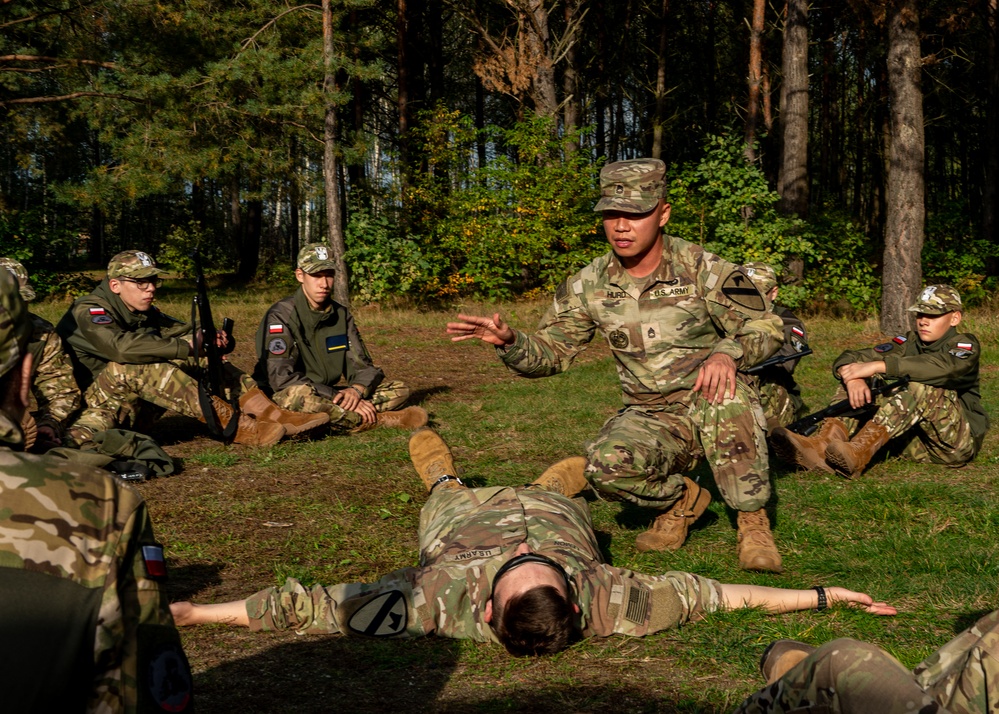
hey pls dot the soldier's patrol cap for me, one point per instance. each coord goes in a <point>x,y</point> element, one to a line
<point>937,300</point>
<point>764,277</point>
<point>315,257</point>
<point>633,186</point>
<point>21,276</point>
<point>15,327</point>
<point>133,264</point>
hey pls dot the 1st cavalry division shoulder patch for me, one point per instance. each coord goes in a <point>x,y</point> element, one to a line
<point>740,290</point>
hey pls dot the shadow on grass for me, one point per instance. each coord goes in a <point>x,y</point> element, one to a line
<point>187,581</point>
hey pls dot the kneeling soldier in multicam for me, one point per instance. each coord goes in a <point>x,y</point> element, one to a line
<point>311,357</point>
<point>846,675</point>
<point>780,395</point>
<point>938,418</point>
<point>52,383</point>
<point>680,322</point>
<point>84,620</point>
<point>127,356</point>
<point>519,566</point>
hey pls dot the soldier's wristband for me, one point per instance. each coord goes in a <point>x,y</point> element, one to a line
<point>823,602</point>
<point>358,391</point>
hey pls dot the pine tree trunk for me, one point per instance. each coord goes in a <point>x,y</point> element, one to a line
<point>902,274</point>
<point>572,108</point>
<point>792,181</point>
<point>334,219</point>
<point>990,207</point>
<point>659,121</point>
<point>755,77</point>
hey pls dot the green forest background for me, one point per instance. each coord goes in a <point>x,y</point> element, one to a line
<point>453,147</point>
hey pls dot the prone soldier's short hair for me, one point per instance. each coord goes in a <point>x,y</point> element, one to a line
<point>540,621</point>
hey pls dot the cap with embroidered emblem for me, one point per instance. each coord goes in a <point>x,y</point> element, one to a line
<point>315,257</point>
<point>764,277</point>
<point>937,300</point>
<point>633,186</point>
<point>133,264</point>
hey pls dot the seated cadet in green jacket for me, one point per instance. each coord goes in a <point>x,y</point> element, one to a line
<point>938,418</point>
<point>311,357</point>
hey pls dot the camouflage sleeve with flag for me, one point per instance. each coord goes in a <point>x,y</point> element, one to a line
<point>77,553</point>
<point>52,383</point>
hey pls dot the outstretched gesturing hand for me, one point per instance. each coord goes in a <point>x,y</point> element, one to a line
<point>494,331</point>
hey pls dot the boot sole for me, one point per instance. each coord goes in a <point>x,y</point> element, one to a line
<point>837,462</point>
<point>790,454</point>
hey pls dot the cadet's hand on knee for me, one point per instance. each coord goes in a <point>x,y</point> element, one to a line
<point>716,378</point>
<point>367,411</point>
<point>494,331</point>
<point>860,600</point>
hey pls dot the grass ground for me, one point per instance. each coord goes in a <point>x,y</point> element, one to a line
<point>237,519</point>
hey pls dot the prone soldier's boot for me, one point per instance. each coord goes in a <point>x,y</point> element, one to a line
<point>782,655</point>
<point>850,458</point>
<point>809,452</point>
<point>256,404</point>
<point>408,418</point>
<point>669,530</point>
<point>432,460</point>
<point>250,431</point>
<point>565,477</point>
<point>757,549</point>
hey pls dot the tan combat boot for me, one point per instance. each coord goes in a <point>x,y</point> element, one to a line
<point>565,477</point>
<point>669,530</point>
<point>756,548</point>
<point>249,431</point>
<point>781,656</point>
<point>432,460</point>
<point>850,458</point>
<point>408,418</point>
<point>809,452</point>
<point>256,404</point>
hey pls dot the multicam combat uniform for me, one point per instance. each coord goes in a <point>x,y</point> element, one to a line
<point>121,357</point>
<point>52,383</point>
<point>844,675</point>
<point>661,330</point>
<point>303,354</point>
<point>465,536</point>
<point>939,416</point>
<point>779,393</point>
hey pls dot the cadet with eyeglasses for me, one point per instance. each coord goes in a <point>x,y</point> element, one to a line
<point>132,360</point>
<point>518,566</point>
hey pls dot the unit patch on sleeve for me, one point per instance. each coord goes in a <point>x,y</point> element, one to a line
<point>382,616</point>
<point>275,329</point>
<point>277,346</point>
<point>152,556</point>
<point>798,331</point>
<point>900,340</point>
<point>101,319</point>
<point>740,290</point>
<point>886,347</point>
<point>335,343</point>
<point>963,350</point>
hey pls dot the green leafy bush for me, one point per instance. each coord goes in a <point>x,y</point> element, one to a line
<point>177,250</point>
<point>381,263</point>
<point>954,253</point>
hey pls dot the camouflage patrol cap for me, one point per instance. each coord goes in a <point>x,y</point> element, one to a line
<point>763,276</point>
<point>633,186</point>
<point>15,327</point>
<point>937,300</point>
<point>21,276</point>
<point>133,264</point>
<point>315,257</point>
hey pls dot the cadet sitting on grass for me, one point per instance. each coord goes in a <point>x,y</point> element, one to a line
<point>520,566</point>
<point>938,417</point>
<point>127,356</point>
<point>311,357</point>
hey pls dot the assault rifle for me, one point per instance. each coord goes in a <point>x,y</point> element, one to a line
<point>211,375</point>
<point>774,361</point>
<point>806,426</point>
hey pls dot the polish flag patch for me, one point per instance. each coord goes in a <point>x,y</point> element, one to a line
<point>97,311</point>
<point>965,346</point>
<point>275,329</point>
<point>152,556</point>
<point>898,340</point>
<point>798,331</point>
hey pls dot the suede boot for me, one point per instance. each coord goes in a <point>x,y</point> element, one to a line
<point>565,477</point>
<point>809,452</point>
<point>256,404</point>
<point>757,549</point>
<point>781,656</point>
<point>850,458</point>
<point>408,418</point>
<point>249,431</point>
<point>669,530</point>
<point>432,460</point>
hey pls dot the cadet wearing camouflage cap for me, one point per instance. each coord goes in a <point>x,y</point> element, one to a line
<point>310,355</point>
<point>519,566</point>
<point>84,619</point>
<point>780,395</point>
<point>679,321</point>
<point>127,353</point>
<point>52,383</point>
<point>938,418</point>
<point>846,675</point>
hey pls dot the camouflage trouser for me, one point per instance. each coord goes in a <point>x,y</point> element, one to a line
<point>388,396</point>
<point>779,407</point>
<point>962,677</point>
<point>640,454</point>
<point>928,420</point>
<point>122,393</point>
